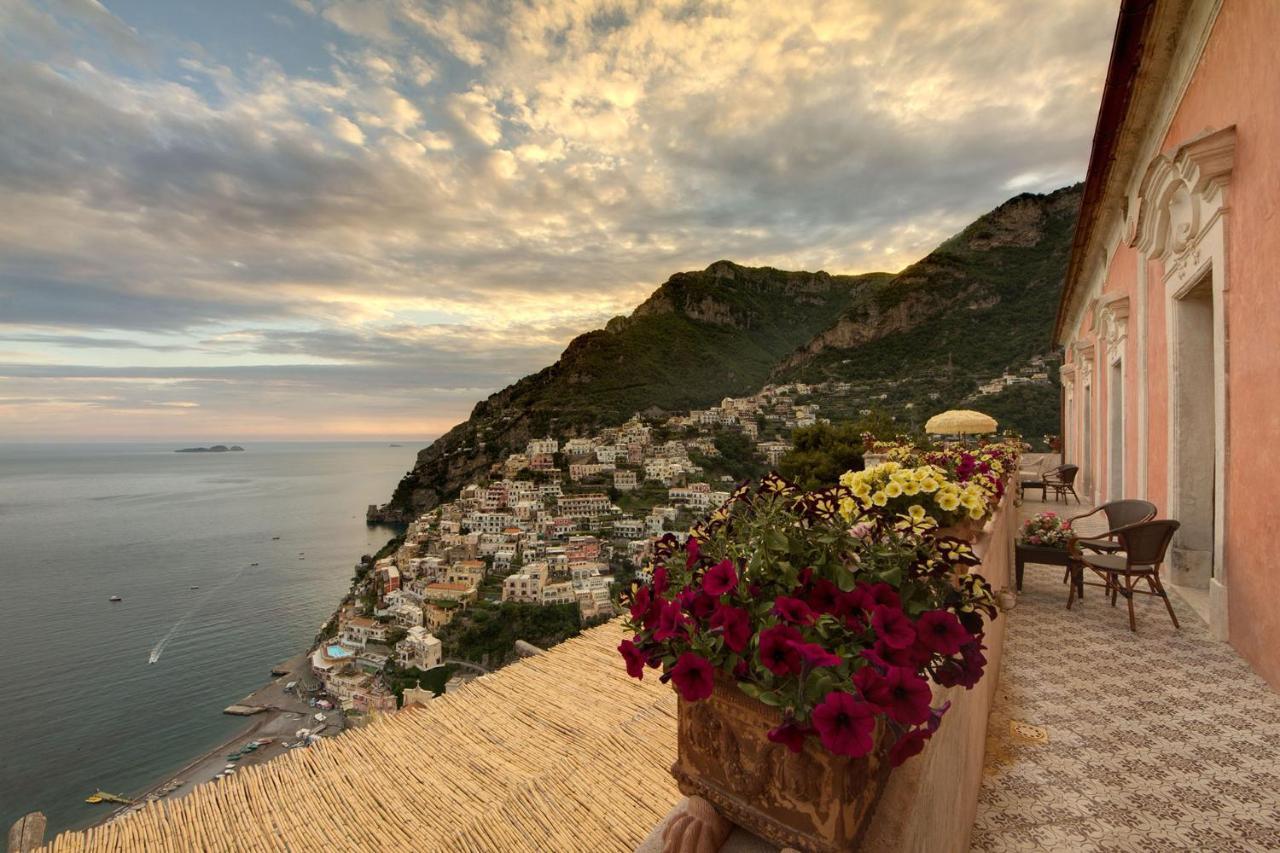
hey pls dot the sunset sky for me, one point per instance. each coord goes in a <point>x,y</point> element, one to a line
<point>242,219</point>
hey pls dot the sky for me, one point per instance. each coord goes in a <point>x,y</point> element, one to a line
<point>222,221</point>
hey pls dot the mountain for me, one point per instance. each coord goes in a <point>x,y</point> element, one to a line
<point>978,305</point>
<point>699,337</point>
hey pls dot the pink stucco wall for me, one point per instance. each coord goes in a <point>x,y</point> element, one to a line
<point>1238,82</point>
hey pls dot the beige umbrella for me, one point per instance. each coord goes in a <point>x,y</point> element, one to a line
<point>960,422</point>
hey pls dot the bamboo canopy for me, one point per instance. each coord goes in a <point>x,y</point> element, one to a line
<point>960,422</point>
<point>562,751</point>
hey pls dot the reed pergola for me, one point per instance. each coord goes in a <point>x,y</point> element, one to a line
<point>562,751</point>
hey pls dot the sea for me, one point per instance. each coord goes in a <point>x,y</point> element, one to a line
<point>226,564</point>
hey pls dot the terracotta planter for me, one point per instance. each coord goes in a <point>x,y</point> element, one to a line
<point>812,800</point>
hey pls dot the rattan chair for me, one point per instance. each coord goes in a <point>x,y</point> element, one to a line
<point>1144,546</point>
<point>1062,482</point>
<point>1122,513</point>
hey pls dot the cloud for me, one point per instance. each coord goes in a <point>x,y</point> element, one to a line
<point>517,172</point>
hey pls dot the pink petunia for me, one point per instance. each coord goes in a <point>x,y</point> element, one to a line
<point>634,657</point>
<point>793,610</point>
<point>791,734</point>
<point>720,579</point>
<point>693,676</point>
<point>893,627</point>
<point>845,725</point>
<point>735,624</point>
<point>778,650</point>
<point>816,655</point>
<point>911,743</point>
<point>941,632</point>
<point>903,695</point>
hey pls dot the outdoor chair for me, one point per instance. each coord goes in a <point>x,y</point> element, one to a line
<point>1062,482</point>
<point>1122,513</point>
<point>1144,547</point>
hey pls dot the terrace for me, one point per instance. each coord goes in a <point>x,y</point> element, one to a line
<point>1161,739</point>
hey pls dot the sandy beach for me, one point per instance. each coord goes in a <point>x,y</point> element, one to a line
<point>284,713</point>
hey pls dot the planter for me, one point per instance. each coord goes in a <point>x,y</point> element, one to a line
<point>811,800</point>
<point>966,529</point>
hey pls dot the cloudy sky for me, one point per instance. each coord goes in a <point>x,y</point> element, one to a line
<point>229,220</point>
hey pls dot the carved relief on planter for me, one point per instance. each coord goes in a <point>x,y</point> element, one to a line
<point>812,800</point>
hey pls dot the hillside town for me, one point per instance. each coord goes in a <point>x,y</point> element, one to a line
<point>563,521</point>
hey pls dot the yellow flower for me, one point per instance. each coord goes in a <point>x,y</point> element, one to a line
<point>879,499</point>
<point>893,490</point>
<point>861,490</point>
<point>928,484</point>
<point>977,512</point>
<point>910,487</point>
<point>948,502</point>
<point>916,512</point>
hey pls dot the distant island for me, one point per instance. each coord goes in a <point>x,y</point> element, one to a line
<point>217,448</point>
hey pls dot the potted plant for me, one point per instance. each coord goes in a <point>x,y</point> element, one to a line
<point>1046,530</point>
<point>802,633</point>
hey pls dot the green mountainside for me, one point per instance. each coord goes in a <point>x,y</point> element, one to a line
<point>980,304</point>
<point>699,337</point>
<point>909,344</point>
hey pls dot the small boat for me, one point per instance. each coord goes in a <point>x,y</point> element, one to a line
<point>252,564</point>
<point>115,598</point>
<point>106,797</point>
<point>274,538</point>
<point>195,587</point>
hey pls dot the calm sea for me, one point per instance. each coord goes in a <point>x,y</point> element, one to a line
<point>82,707</point>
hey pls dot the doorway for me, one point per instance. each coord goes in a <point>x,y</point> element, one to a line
<point>1194,421</point>
<point>1115,431</point>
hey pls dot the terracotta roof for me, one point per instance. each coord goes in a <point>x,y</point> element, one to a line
<point>512,757</point>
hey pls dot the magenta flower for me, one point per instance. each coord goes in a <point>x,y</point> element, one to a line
<point>867,680</point>
<point>844,724</point>
<point>670,621</point>
<point>825,597</point>
<point>634,657</point>
<point>941,632</point>
<point>893,627</point>
<point>792,610</point>
<point>640,606</point>
<point>720,579</point>
<point>659,580</point>
<point>903,695</point>
<point>791,735</point>
<point>778,650</point>
<point>693,677</point>
<point>735,624</point>
<point>908,745</point>
<point>694,550</point>
<point>700,606</point>
<point>882,593</point>
<point>815,655</point>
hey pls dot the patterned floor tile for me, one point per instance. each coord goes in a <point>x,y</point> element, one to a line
<point>1159,740</point>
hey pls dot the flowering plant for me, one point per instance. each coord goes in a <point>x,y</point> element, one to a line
<point>1046,530</point>
<point>842,628</point>
<point>923,492</point>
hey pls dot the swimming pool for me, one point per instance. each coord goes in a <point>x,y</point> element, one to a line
<point>336,651</point>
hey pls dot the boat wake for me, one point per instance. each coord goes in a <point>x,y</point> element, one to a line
<point>158,649</point>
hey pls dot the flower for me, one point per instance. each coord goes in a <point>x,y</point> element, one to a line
<point>792,610</point>
<point>694,550</point>
<point>640,604</point>
<point>893,627</point>
<point>778,650</point>
<point>941,632</point>
<point>634,657</point>
<point>659,580</point>
<point>735,624</point>
<point>790,734</point>
<point>844,724</point>
<point>903,695</point>
<point>693,677</point>
<point>720,579</point>
<point>670,621</point>
<point>824,597</point>
<point>911,743</point>
<point>815,655</point>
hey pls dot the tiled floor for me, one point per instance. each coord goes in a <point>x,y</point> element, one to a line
<point>1160,740</point>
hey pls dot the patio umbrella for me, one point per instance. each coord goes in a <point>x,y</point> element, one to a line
<point>960,422</point>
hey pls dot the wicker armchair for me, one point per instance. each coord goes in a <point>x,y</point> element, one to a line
<point>1062,482</point>
<point>1122,513</point>
<point>1145,545</point>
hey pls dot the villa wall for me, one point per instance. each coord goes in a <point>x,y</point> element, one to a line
<point>1231,80</point>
